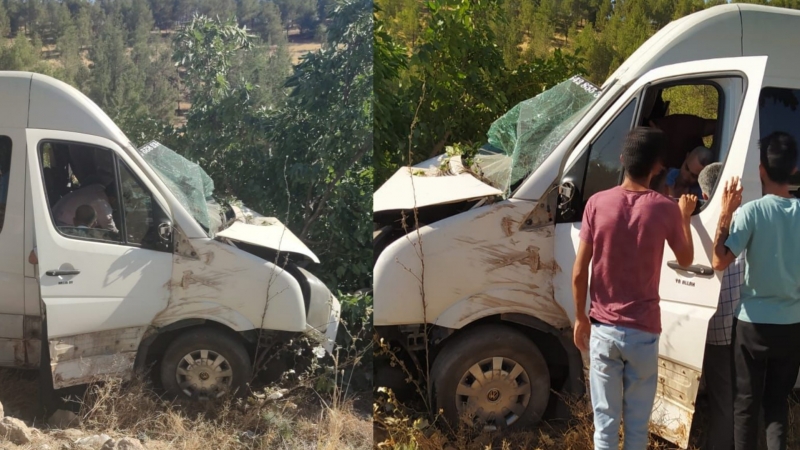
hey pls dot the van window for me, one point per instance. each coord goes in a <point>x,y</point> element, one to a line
<point>778,111</point>
<point>81,187</point>
<point>700,100</point>
<point>5,168</point>
<point>142,214</point>
<point>89,200</point>
<point>605,168</point>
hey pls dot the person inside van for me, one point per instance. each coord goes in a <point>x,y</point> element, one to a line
<point>101,198</point>
<point>85,217</point>
<point>622,235</point>
<point>766,337</point>
<point>684,180</point>
<point>717,363</point>
<point>684,132</point>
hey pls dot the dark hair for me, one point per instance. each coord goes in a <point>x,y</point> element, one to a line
<point>84,215</point>
<point>642,150</point>
<point>778,156</point>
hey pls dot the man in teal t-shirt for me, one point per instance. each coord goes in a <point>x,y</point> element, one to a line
<point>766,337</point>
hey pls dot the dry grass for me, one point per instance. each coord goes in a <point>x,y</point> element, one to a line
<point>299,420</point>
<point>399,427</point>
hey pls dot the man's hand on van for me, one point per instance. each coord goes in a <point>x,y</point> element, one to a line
<point>731,197</point>
<point>731,200</point>
<point>687,204</point>
<point>583,330</point>
<point>684,251</point>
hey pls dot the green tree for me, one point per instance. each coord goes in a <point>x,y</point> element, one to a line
<point>5,22</point>
<point>267,23</point>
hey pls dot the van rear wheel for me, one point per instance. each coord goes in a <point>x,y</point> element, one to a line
<point>491,375</point>
<point>205,364</point>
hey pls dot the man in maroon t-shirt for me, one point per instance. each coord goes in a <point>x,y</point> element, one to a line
<point>622,235</point>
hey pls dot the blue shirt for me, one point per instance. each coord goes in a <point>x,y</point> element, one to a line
<point>771,289</point>
<point>672,177</point>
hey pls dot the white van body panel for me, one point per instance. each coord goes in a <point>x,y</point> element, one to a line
<point>483,265</point>
<point>96,319</point>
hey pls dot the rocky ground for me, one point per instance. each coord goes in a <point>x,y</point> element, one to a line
<point>131,416</point>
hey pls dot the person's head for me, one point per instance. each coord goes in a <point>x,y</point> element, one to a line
<point>778,158</point>
<point>642,153</point>
<point>708,178</point>
<point>85,216</point>
<point>694,163</point>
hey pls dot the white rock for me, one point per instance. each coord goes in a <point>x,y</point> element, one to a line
<point>63,419</point>
<point>2,414</point>
<point>15,431</point>
<point>95,442</point>
<point>109,445</point>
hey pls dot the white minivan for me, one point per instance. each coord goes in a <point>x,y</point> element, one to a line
<point>489,267</point>
<point>167,277</point>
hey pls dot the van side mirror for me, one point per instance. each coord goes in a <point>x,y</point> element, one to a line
<point>165,231</point>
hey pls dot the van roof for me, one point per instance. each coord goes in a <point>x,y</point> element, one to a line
<point>722,31</point>
<point>31,100</point>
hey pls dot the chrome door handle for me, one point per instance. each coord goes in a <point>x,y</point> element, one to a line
<point>694,268</point>
<point>58,273</point>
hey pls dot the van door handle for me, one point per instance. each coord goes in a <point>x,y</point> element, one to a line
<point>58,273</point>
<point>694,268</point>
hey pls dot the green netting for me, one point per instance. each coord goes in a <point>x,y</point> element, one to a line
<point>187,181</point>
<point>530,131</point>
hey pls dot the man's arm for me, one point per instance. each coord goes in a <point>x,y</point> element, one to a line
<point>731,199</point>
<point>580,288</point>
<point>683,247</point>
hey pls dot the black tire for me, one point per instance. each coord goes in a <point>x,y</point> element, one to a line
<point>217,342</point>
<point>482,343</point>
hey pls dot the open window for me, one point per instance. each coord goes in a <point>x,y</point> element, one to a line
<point>93,195</point>
<point>692,113</point>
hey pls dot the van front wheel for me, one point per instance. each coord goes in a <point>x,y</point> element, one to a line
<point>205,364</point>
<point>491,375</point>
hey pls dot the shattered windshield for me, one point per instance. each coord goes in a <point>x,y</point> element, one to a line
<point>526,135</point>
<point>187,181</point>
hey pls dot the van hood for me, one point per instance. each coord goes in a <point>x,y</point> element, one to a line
<point>437,181</point>
<point>252,228</point>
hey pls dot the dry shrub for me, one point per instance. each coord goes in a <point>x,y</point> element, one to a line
<point>133,409</point>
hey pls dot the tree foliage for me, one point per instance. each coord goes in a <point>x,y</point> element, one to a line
<point>290,142</point>
<point>445,69</point>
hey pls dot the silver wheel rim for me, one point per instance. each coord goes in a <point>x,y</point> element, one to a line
<point>204,374</point>
<point>495,391</point>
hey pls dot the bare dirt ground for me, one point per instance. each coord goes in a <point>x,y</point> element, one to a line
<point>133,416</point>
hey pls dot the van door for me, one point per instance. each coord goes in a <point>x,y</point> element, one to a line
<point>12,264</point>
<point>688,297</point>
<point>104,249</point>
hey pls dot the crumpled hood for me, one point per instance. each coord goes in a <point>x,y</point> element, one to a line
<point>252,228</point>
<point>426,184</point>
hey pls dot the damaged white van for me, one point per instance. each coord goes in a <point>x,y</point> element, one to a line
<point>489,266</point>
<point>157,273</point>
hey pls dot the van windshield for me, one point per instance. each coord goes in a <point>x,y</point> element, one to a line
<point>187,181</point>
<point>525,136</point>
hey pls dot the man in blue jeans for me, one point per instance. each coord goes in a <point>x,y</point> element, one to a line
<point>623,234</point>
<point>766,337</point>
